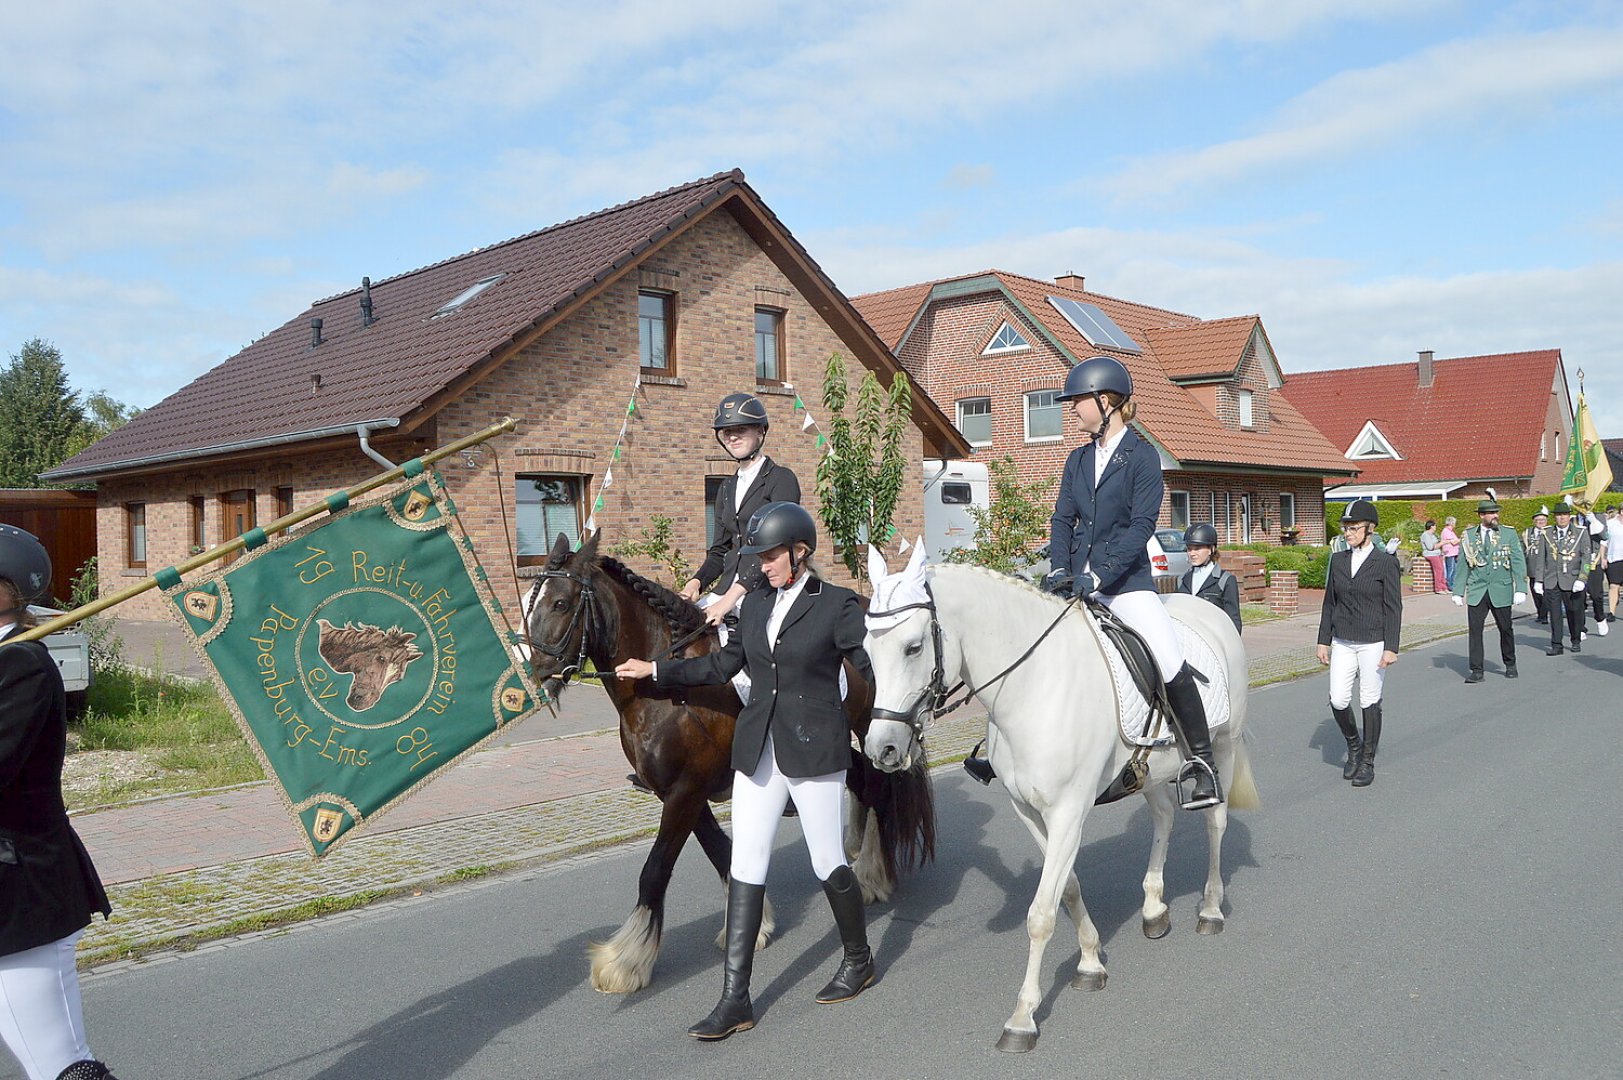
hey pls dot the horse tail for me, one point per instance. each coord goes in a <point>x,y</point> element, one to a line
<point>1243,793</point>
<point>903,804</point>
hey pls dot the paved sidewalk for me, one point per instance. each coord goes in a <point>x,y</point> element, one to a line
<point>184,868</point>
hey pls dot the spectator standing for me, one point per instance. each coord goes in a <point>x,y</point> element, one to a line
<point>1432,548</point>
<point>1450,543</point>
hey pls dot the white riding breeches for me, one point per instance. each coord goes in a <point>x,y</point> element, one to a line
<point>1363,659</point>
<point>741,681</point>
<point>1145,612</point>
<point>758,803</point>
<point>41,1017</point>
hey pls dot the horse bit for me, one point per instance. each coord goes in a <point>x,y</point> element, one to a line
<point>587,610</point>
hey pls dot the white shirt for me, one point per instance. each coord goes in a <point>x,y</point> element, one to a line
<point>1197,580</point>
<point>1360,555</point>
<point>1103,451</point>
<point>1614,539</point>
<point>780,609</point>
<point>6,630</point>
<point>746,477</point>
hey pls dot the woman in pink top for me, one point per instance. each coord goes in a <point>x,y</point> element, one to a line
<point>1450,542</point>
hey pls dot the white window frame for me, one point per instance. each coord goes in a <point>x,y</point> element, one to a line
<point>1543,445</point>
<point>1381,448</point>
<point>1174,498</point>
<point>1248,414</point>
<point>1025,411</point>
<point>994,349</point>
<point>1287,498</point>
<point>959,416</point>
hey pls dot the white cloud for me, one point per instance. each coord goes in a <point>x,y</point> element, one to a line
<point>1353,111</point>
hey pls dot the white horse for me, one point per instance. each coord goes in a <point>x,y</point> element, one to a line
<point>1052,731</point>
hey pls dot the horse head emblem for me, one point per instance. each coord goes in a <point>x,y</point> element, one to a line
<point>377,658</point>
<point>906,656</point>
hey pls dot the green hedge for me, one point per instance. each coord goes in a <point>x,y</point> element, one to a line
<point>1310,563</point>
<point>1395,513</point>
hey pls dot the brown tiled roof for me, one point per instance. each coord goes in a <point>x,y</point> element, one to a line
<point>402,365</point>
<point>1170,414</point>
<point>1481,418</point>
<point>1211,348</point>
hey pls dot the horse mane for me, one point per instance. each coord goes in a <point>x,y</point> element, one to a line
<point>681,615</point>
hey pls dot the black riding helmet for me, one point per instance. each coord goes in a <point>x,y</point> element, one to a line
<point>779,524</point>
<point>25,563</point>
<point>1360,510</point>
<point>741,410</point>
<point>1094,377</point>
<point>1201,535</point>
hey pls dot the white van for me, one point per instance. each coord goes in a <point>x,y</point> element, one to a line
<point>951,488</point>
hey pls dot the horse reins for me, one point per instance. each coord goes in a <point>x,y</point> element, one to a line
<point>587,611</point>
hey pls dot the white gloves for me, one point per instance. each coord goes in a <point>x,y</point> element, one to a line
<point>1459,601</point>
<point>1578,586</point>
<point>1538,588</point>
<point>1519,598</point>
<point>1392,546</point>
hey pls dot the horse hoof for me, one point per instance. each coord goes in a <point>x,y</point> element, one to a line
<point>1209,926</point>
<point>1089,980</point>
<point>1157,928</point>
<point>1017,1042</point>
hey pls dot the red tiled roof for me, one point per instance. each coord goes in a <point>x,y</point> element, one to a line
<point>402,365</point>
<point>1474,421</point>
<point>1170,414</point>
<point>1210,348</point>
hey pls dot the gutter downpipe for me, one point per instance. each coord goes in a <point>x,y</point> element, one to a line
<point>363,430</point>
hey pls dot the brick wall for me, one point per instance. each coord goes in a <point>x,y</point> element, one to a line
<point>569,391</point>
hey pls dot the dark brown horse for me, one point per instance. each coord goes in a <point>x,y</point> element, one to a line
<point>591,607</point>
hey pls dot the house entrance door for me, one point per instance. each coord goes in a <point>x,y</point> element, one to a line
<point>236,517</point>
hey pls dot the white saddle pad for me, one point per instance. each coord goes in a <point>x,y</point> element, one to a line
<point>1214,692</point>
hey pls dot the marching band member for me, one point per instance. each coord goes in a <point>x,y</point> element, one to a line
<point>1205,578</point>
<point>48,886</point>
<point>1532,536</point>
<point>1358,634</point>
<point>791,742</point>
<point>1598,565</point>
<point>1493,567</point>
<point>1560,573</point>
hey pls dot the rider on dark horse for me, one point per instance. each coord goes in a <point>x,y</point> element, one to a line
<point>1109,501</point>
<point>792,638</point>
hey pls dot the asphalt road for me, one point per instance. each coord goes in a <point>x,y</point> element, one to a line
<point>1458,918</point>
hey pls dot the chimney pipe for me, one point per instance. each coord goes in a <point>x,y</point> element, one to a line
<point>315,332</point>
<point>366,302</point>
<point>1072,280</point>
<point>1425,368</point>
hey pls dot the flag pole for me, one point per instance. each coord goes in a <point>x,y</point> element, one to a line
<point>281,524</point>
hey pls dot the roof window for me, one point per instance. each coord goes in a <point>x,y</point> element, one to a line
<point>452,306</point>
<point>1007,339</point>
<point>1094,325</point>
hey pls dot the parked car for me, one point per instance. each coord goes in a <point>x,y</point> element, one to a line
<point>1169,558</point>
<point>70,649</point>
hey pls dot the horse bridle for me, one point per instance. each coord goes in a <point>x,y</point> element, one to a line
<point>933,698</point>
<point>584,617</point>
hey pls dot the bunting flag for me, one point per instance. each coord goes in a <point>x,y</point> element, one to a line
<point>360,657</point>
<point>615,454</point>
<point>1588,473</point>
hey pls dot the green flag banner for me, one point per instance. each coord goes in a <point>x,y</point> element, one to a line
<point>1575,476</point>
<point>360,657</point>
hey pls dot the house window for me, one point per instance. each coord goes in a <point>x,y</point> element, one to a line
<point>1045,416</point>
<point>1246,419</point>
<point>975,421</point>
<point>453,305</point>
<point>654,325</point>
<point>1179,508</point>
<point>1007,339</point>
<point>238,514</point>
<point>135,534</point>
<point>546,506</point>
<point>284,501</point>
<point>768,345</point>
<point>1558,455</point>
<point>1211,515</point>
<point>1543,445</point>
<point>1228,516</point>
<point>1287,510</point>
<point>712,488</point>
<point>200,536</point>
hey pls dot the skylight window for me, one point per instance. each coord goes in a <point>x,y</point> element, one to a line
<point>456,302</point>
<point>1007,339</point>
<point>1093,324</point>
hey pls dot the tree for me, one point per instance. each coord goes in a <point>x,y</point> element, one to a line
<point>104,415</point>
<point>861,477</point>
<point>40,416</point>
<point>1015,522</point>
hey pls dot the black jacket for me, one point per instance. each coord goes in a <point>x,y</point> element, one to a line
<point>723,562</point>
<point>48,886</point>
<point>1108,529</point>
<point>1221,588</point>
<point>795,687</point>
<point>1365,608</point>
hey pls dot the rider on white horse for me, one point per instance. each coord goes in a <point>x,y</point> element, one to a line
<point>1109,501</point>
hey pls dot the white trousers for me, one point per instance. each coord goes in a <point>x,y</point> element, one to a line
<point>1144,612</point>
<point>758,803</point>
<point>741,681</point>
<point>41,1017</point>
<point>1363,659</point>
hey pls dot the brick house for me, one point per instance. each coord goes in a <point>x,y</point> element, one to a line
<point>1444,429</point>
<point>698,290</point>
<point>993,349</point>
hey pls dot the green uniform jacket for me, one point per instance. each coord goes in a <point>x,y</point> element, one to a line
<point>1497,566</point>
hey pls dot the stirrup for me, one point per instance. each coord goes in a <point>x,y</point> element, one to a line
<point>1191,766</point>
<point>978,767</point>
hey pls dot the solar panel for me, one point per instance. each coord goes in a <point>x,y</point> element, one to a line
<point>1093,324</point>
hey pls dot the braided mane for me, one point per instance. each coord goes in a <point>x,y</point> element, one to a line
<point>681,615</point>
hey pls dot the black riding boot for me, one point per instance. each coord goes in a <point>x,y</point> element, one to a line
<point>1190,715</point>
<point>856,972</point>
<point>86,1070</point>
<point>978,767</point>
<point>734,1012</point>
<point>1365,775</point>
<point>1349,731</point>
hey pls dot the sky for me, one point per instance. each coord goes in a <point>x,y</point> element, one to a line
<point>1373,179</point>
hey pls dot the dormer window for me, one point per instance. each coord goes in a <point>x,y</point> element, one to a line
<point>451,306</point>
<point>1007,339</point>
<point>1370,443</point>
<point>1247,419</point>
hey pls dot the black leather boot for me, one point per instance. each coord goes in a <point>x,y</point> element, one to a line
<point>735,1012</point>
<point>1349,731</point>
<point>1365,774</point>
<point>86,1070</point>
<point>856,972</point>
<point>978,767</point>
<point>1190,715</point>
